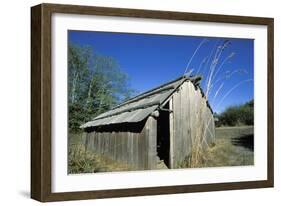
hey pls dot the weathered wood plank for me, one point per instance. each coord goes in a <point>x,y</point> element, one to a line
<point>136,153</point>
<point>177,128</point>
<point>187,144</point>
<point>151,139</point>
<point>141,152</point>
<point>190,121</point>
<point>172,141</point>
<point>184,121</point>
<point>130,148</point>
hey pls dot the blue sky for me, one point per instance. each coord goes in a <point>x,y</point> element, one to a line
<point>151,60</point>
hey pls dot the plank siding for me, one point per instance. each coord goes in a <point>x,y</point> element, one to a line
<point>135,149</point>
<point>172,142</point>
<point>151,143</point>
<point>190,121</point>
<point>181,128</point>
<point>177,125</point>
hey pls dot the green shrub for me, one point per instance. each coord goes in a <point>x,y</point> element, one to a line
<point>237,115</point>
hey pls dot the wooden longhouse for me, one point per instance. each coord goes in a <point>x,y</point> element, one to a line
<point>164,123</point>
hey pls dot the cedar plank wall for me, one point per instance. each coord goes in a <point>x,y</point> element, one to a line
<point>132,148</point>
<point>190,122</point>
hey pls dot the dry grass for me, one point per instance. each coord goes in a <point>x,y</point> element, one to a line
<point>82,161</point>
<point>202,133</point>
<point>225,152</point>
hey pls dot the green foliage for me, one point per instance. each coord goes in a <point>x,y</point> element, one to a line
<point>95,84</point>
<point>237,115</point>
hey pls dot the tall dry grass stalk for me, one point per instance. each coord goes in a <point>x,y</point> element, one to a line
<point>199,141</point>
<point>193,55</point>
<point>200,144</point>
<point>216,64</point>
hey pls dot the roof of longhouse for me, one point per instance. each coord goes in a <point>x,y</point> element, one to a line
<point>141,106</point>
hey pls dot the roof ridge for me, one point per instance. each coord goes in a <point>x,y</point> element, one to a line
<point>143,95</point>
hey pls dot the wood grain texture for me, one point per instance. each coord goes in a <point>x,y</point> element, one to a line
<point>137,149</point>
<point>192,124</point>
<point>192,121</point>
<point>151,143</point>
<point>156,14</point>
<point>270,102</point>
<point>36,139</point>
<point>171,121</point>
<point>41,101</point>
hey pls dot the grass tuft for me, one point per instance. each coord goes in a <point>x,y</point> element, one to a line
<point>225,152</point>
<point>82,161</point>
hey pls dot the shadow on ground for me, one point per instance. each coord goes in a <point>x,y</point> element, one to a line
<point>24,193</point>
<point>246,141</point>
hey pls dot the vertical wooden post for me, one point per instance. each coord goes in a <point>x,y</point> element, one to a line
<point>151,136</point>
<point>171,157</point>
<point>87,141</point>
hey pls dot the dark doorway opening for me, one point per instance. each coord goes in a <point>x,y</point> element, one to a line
<point>163,135</point>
